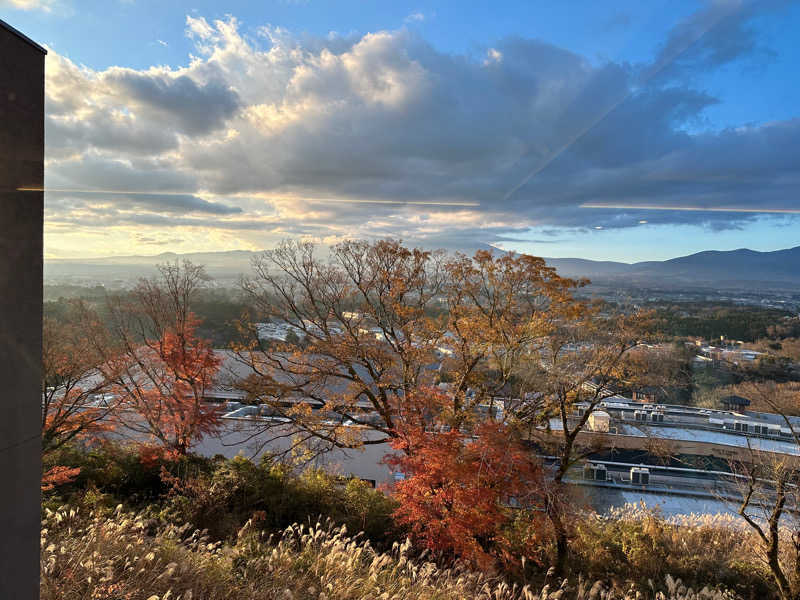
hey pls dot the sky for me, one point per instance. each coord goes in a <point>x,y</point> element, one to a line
<point>611,131</point>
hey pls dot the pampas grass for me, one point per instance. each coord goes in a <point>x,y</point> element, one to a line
<point>118,555</point>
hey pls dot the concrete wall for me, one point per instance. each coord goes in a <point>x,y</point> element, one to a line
<point>21,165</point>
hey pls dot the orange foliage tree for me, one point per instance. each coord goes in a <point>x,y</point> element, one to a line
<point>58,475</point>
<point>163,382</point>
<point>70,382</point>
<point>376,321</point>
<point>74,403</point>
<point>159,368</point>
<point>458,487</point>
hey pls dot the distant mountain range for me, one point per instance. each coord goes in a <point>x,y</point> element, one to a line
<point>732,269</point>
<point>724,269</point>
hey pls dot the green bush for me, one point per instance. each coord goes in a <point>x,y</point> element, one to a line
<point>237,489</point>
<point>218,494</point>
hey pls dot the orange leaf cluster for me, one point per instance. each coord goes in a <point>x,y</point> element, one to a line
<point>58,475</point>
<point>165,388</point>
<point>458,487</point>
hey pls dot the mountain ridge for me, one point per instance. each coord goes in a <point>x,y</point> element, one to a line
<point>708,268</point>
<point>705,268</point>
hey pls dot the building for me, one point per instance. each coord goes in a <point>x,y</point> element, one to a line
<point>734,403</point>
<point>648,394</point>
<point>21,219</point>
<point>599,420</point>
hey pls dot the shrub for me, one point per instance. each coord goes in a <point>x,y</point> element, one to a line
<point>221,501</point>
<point>636,544</point>
<point>117,470</point>
<point>219,494</point>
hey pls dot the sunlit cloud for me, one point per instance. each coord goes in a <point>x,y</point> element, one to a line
<point>43,5</point>
<point>180,193</point>
<point>384,134</point>
<point>402,202</point>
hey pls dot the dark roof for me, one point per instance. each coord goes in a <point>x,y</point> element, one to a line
<point>649,389</point>
<point>22,36</point>
<point>739,400</point>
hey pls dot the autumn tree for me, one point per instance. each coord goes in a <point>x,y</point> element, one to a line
<point>501,312</point>
<point>380,320</point>
<point>457,487</point>
<point>768,486</point>
<point>664,368</point>
<point>158,367</point>
<point>73,401</point>
<point>768,504</point>
<point>578,367</point>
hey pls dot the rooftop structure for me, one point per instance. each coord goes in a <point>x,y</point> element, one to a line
<point>734,402</point>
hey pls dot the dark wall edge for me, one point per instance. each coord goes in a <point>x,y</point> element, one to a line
<point>19,34</point>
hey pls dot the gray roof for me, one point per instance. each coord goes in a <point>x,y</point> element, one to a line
<point>741,401</point>
<point>235,369</point>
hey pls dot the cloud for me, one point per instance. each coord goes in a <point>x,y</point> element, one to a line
<point>415,17</point>
<point>43,5</point>
<point>153,241</point>
<point>189,106</point>
<point>720,33</point>
<point>383,134</point>
<point>617,21</point>
<point>493,55</point>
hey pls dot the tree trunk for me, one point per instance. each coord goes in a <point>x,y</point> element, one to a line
<point>560,533</point>
<point>784,589</point>
<point>553,506</point>
<point>773,549</point>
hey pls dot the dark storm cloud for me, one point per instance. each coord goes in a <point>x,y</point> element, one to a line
<point>191,107</point>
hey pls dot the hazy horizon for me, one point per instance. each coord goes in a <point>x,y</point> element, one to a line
<point>232,250</point>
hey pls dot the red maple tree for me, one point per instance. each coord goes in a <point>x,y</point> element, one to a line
<point>458,487</point>
<point>72,387</point>
<point>74,406</point>
<point>161,385</point>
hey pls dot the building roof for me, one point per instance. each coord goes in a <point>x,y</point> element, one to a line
<point>737,400</point>
<point>22,36</point>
